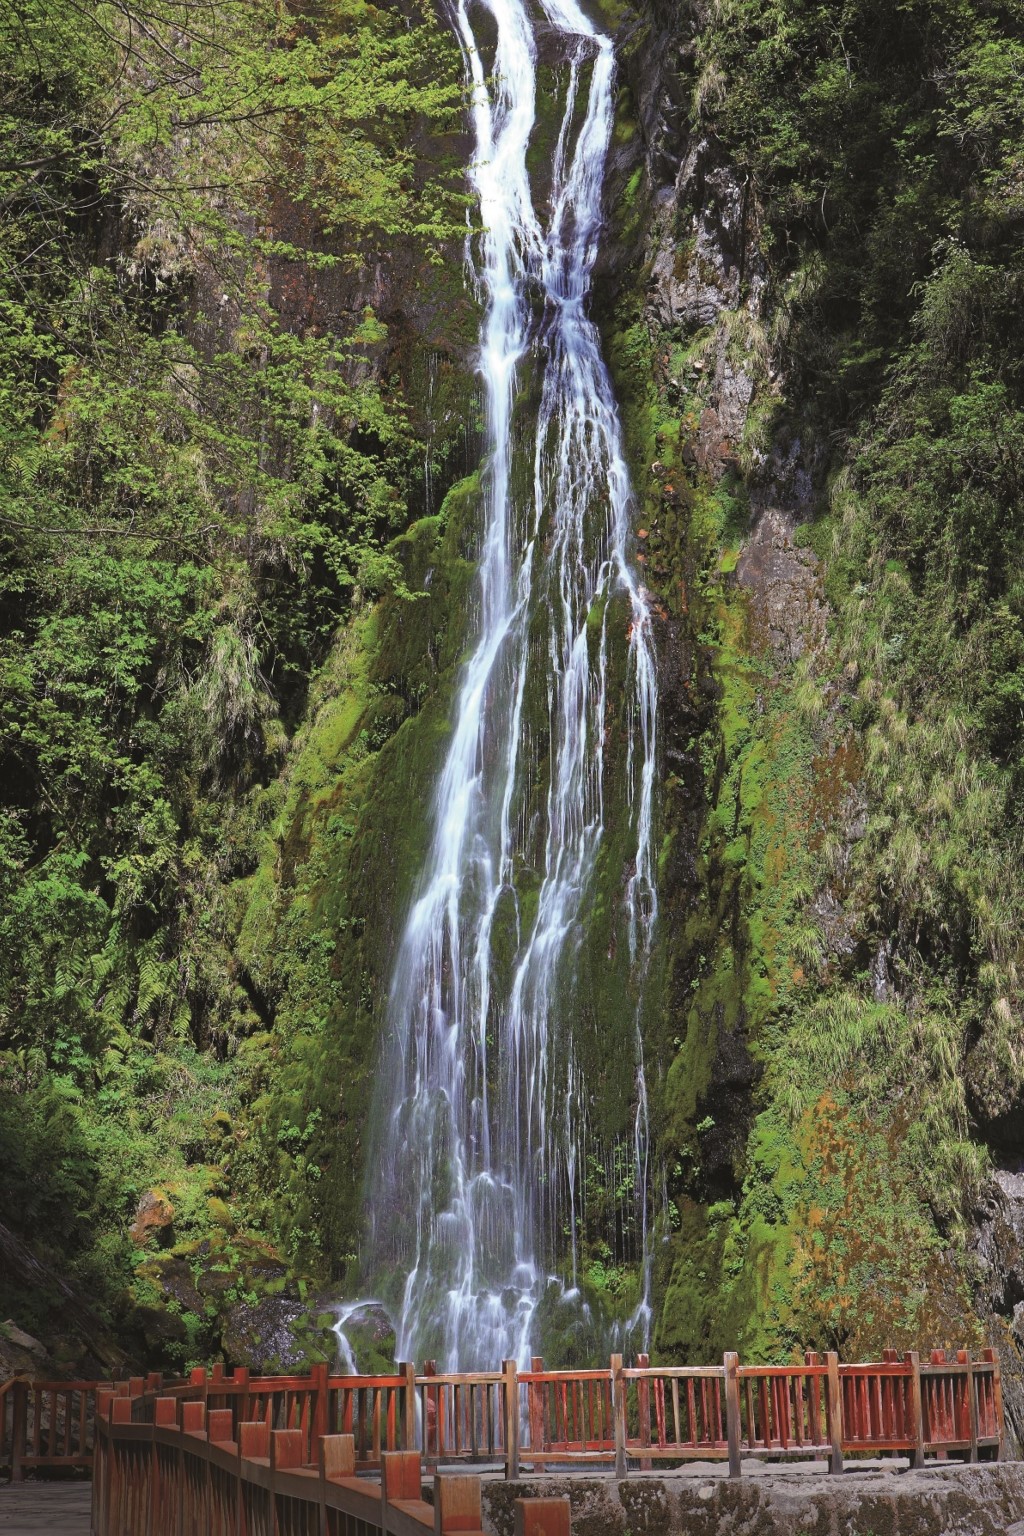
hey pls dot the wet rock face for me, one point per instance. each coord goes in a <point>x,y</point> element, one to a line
<point>366,1339</point>
<point>998,1251</point>
<point>787,611</point>
<point>703,265</point>
<point>704,249</point>
<point>262,1334</point>
<point>999,1248</point>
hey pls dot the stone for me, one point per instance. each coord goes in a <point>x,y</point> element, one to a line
<point>23,1340</point>
<point>265,1335</point>
<point>366,1338</point>
<point>787,608</point>
<point>220,1213</point>
<point>164,1331</point>
<point>174,1278</point>
<point>155,1214</point>
<point>999,1242</point>
<point>873,1498</point>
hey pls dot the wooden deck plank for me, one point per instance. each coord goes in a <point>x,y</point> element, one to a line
<point>62,1509</point>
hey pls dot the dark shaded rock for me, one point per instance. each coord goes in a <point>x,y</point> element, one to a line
<point>262,1335</point>
<point>727,1103</point>
<point>79,1343</point>
<point>173,1276</point>
<point>213,1283</point>
<point>19,1339</point>
<point>998,1251</point>
<point>164,1332</point>
<point>999,1244</point>
<point>20,1353</point>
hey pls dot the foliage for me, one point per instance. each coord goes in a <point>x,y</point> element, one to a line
<point>203,460</point>
<point>853,931</point>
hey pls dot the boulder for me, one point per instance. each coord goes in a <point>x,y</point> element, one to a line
<point>154,1215</point>
<point>21,1339</point>
<point>263,1335</point>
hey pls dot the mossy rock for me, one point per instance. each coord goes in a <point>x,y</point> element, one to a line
<point>277,1333</point>
<point>220,1214</point>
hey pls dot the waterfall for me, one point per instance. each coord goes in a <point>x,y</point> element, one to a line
<point>477,1166</point>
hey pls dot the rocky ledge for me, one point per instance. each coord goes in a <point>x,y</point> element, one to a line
<point>872,1499</point>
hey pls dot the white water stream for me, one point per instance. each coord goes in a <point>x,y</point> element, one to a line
<point>480,1134</point>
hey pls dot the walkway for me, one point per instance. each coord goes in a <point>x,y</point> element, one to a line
<point>60,1509</point>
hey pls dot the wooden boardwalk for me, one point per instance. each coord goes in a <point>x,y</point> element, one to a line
<point>61,1509</point>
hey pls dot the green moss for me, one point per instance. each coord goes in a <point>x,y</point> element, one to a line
<point>736,958</point>
<point>335,880</point>
<point>220,1214</point>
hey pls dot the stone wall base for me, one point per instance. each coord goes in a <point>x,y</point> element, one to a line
<point>868,1499</point>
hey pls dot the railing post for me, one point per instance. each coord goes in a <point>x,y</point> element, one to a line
<point>431,1413</point>
<point>731,1364</point>
<point>240,1401</point>
<point>814,1383</point>
<point>103,1494</point>
<point>643,1402</point>
<point>111,1490</point>
<point>938,1410</point>
<point>913,1360</point>
<point>322,1526</point>
<point>535,1397</point>
<point>511,1386</point>
<point>319,1416</point>
<point>153,1514</point>
<point>408,1370</point>
<point>991,1357</point>
<point>835,1412</point>
<point>619,1416</point>
<point>964,1358</point>
<point>19,1426</point>
<point>181,1483</point>
<point>120,1488</point>
<point>100,1459</point>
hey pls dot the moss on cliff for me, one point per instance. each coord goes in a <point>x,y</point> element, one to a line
<point>827,1000</point>
<point>321,913</point>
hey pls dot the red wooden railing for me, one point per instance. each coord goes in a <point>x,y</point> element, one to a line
<point>569,1414</point>
<point>181,1476</point>
<point>48,1424</point>
<point>624,1414</point>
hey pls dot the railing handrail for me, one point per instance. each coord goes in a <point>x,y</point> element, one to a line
<point>453,1379</point>
<point>46,1384</point>
<point>676,1372</point>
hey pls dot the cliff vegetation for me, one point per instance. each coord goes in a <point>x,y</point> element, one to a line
<point>239,466</point>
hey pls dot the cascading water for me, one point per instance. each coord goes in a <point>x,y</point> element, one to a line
<point>480,1130</point>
